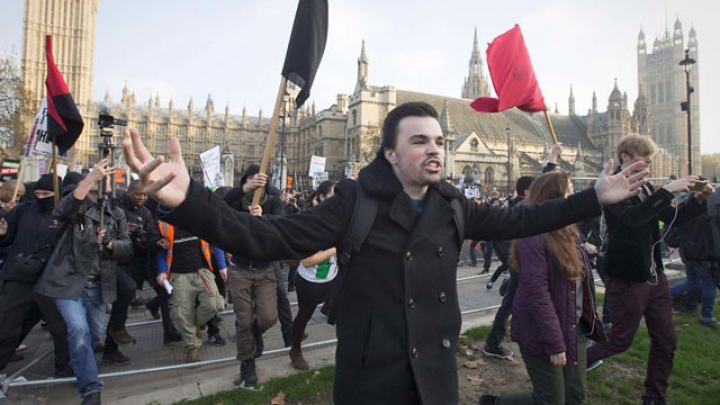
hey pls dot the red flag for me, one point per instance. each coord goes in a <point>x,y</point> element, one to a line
<point>512,75</point>
<point>64,121</point>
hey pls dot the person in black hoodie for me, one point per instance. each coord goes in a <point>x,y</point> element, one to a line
<point>29,239</point>
<point>253,285</point>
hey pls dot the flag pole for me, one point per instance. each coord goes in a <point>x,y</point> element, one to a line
<point>56,185</point>
<point>19,178</point>
<point>271,137</point>
<point>550,126</point>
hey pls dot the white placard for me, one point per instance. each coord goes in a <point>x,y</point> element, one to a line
<point>210,160</point>
<point>319,178</point>
<point>41,142</point>
<point>62,170</point>
<point>317,165</point>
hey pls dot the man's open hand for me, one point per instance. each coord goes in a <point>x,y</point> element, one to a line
<point>165,182</point>
<point>613,188</point>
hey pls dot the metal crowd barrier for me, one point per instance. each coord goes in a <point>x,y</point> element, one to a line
<point>9,382</point>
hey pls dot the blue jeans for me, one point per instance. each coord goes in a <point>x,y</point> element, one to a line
<point>85,320</point>
<point>698,278</point>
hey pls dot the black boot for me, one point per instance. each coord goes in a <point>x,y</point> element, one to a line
<point>248,373</point>
<point>171,335</point>
<point>91,399</point>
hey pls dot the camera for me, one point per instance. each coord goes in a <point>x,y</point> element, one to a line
<point>106,122</point>
<point>699,185</point>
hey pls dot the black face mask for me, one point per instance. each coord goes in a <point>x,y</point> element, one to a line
<point>47,203</point>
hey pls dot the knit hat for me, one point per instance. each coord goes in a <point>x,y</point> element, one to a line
<point>252,169</point>
<point>46,183</point>
<point>72,179</point>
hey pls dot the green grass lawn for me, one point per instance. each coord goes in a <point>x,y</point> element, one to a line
<point>695,379</point>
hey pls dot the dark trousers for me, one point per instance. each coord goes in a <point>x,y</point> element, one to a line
<point>629,303</point>
<point>499,326</point>
<point>500,270</point>
<point>487,255</point>
<point>283,307</point>
<point>552,385</point>
<point>19,313</point>
<point>292,270</point>
<point>473,252</point>
<point>126,287</point>
<point>600,267</point>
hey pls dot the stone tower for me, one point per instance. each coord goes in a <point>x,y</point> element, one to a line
<point>72,25</point>
<point>476,84</point>
<point>662,82</point>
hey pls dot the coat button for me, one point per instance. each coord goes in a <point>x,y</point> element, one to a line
<point>415,352</point>
<point>446,343</point>
<point>440,252</point>
<point>411,303</point>
<point>408,256</point>
<point>443,297</point>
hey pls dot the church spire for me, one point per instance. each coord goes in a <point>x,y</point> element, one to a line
<point>445,123</point>
<point>475,83</point>
<point>571,102</point>
<point>362,72</point>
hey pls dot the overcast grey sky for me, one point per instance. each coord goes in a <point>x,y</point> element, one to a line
<point>234,49</point>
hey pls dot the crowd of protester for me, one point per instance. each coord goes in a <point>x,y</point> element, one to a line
<point>73,258</point>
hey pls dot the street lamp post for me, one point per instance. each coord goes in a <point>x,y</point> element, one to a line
<point>511,152</point>
<point>686,105</point>
<point>283,159</point>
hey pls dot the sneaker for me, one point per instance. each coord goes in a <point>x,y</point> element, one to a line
<point>489,284</point>
<point>592,366</point>
<point>485,271</point>
<point>487,400</point>
<point>711,323</point>
<point>499,352</point>
<point>63,372</point>
<point>121,336</point>
<point>216,340</point>
<point>21,348</point>
<point>297,360</point>
<point>92,398</point>
<point>248,374</point>
<point>192,355</point>
<point>138,302</point>
<point>115,357</point>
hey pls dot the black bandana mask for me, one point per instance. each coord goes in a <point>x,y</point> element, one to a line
<point>47,203</point>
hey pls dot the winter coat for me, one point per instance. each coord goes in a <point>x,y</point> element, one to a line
<point>633,229</point>
<point>32,230</point>
<point>398,320</point>
<point>544,320</point>
<point>77,252</point>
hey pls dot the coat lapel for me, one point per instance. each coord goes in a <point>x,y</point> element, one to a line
<point>403,211</point>
<point>437,214</point>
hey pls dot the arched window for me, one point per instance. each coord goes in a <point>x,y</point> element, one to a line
<point>354,115</point>
<point>467,173</point>
<point>474,145</point>
<point>489,176</point>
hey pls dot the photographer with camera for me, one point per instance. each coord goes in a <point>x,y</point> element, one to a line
<point>81,273</point>
<point>146,239</point>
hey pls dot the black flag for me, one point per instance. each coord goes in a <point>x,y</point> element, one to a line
<point>307,45</point>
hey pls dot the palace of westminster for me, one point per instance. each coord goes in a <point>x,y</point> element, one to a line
<point>487,149</point>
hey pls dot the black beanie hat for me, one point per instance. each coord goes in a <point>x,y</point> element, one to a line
<point>46,183</point>
<point>72,179</point>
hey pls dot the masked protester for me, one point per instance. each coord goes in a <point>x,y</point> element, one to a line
<point>28,237</point>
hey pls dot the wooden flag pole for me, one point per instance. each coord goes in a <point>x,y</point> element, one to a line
<point>19,177</point>
<point>271,137</point>
<point>549,124</point>
<point>56,185</point>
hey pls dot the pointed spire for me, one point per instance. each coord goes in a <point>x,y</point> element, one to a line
<point>594,102</point>
<point>476,47</point>
<point>190,107</point>
<point>363,55</point>
<point>157,100</point>
<point>445,123</point>
<point>244,115</point>
<point>107,96</point>
<point>171,105</point>
<point>571,102</point>
<point>556,108</point>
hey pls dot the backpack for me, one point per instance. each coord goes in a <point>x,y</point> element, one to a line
<point>361,221</point>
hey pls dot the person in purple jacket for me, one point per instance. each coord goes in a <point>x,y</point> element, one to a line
<point>553,311</point>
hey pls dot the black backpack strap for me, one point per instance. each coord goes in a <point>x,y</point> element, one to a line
<point>363,217</point>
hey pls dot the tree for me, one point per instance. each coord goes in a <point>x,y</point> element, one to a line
<point>14,108</point>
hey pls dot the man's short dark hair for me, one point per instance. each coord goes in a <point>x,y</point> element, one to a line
<point>523,184</point>
<point>390,126</point>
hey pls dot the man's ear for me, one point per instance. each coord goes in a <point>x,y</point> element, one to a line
<point>390,155</point>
